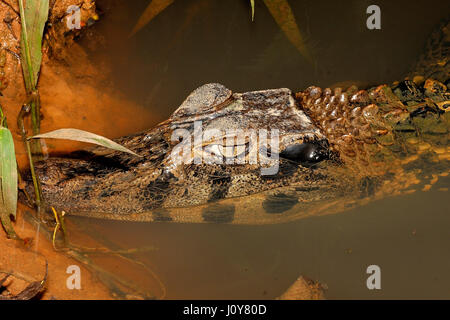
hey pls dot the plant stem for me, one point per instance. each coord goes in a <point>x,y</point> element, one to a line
<point>35,103</point>
<point>22,185</point>
<point>30,82</point>
<point>37,186</point>
<point>6,223</point>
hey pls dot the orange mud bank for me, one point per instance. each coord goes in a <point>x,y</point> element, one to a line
<point>26,263</point>
<point>74,94</point>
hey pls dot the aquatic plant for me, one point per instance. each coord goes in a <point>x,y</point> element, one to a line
<point>280,10</point>
<point>8,178</point>
<point>83,136</point>
<point>34,15</point>
<point>151,11</point>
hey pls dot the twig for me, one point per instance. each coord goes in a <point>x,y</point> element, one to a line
<point>15,55</point>
<point>8,24</point>
<point>31,291</point>
<point>22,185</point>
<point>10,6</point>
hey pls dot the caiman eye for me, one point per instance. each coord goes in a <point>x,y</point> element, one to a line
<point>307,153</point>
<point>227,152</point>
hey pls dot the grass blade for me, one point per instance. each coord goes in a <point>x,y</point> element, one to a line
<point>34,15</point>
<point>153,9</point>
<point>8,179</point>
<point>282,13</point>
<point>252,4</point>
<point>8,172</point>
<point>83,136</point>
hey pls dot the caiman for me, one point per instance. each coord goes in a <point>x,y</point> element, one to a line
<point>336,149</point>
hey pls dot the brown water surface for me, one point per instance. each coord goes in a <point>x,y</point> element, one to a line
<point>196,42</point>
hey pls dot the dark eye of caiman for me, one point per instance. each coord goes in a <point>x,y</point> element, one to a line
<point>307,153</point>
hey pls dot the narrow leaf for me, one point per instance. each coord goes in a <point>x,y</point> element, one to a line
<point>8,175</point>
<point>282,13</point>
<point>34,15</point>
<point>252,3</point>
<point>153,9</point>
<point>83,136</point>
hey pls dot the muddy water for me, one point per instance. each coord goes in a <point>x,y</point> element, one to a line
<point>195,42</point>
<point>406,236</point>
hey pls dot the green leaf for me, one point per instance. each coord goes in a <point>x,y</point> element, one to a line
<point>8,172</point>
<point>153,9</point>
<point>8,177</point>
<point>282,13</point>
<point>33,18</point>
<point>252,4</point>
<point>83,136</point>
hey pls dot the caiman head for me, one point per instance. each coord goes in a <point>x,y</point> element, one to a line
<point>264,156</point>
<point>260,157</point>
<point>218,151</point>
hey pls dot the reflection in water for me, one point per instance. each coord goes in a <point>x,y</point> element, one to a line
<point>196,42</point>
<point>406,236</point>
<point>191,44</point>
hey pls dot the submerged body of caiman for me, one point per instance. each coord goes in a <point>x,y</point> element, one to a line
<point>334,149</point>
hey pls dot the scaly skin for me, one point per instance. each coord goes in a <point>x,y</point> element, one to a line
<point>370,144</point>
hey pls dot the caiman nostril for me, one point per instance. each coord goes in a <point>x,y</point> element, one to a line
<point>307,153</point>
